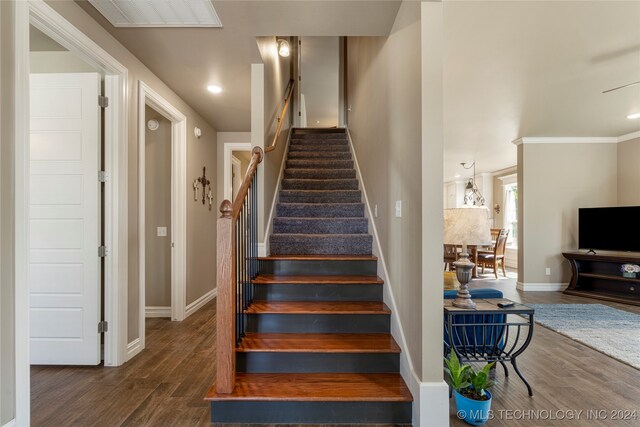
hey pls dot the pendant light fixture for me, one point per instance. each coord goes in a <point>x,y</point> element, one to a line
<point>472,196</point>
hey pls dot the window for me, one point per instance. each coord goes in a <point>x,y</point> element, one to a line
<point>511,213</point>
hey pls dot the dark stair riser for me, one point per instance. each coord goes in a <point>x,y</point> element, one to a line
<point>318,323</point>
<point>281,362</point>
<point>321,147</point>
<point>320,173</point>
<point>291,244</point>
<point>330,196</point>
<point>320,210</point>
<point>285,267</point>
<point>269,412</point>
<point>320,184</point>
<point>321,225</point>
<point>319,164</point>
<point>323,155</point>
<point>318,292</point>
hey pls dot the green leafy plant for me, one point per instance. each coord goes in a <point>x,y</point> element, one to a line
<point>458,374</point>
<point>467,381</point>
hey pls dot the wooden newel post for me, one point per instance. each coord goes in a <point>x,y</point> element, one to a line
<point>226,301</point>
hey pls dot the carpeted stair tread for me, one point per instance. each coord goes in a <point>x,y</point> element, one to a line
<point>318,343</point>
<point>319,164</point>
<point>319,155</point>
<point>321,244</point>
<point>310,257</point>
<point>328,135</point>
<point>320,196</point>
<point>319,173</point>
<point>306,141</point>
<point>320,184</point>
<point>334,387</point>
<point>320,210</point>
<point>320,147</point>
<point>322,225</point>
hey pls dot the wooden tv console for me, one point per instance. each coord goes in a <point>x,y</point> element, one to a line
<point>599,276</point>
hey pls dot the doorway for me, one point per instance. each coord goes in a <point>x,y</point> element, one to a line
<point>237,156</point>
<point>320,81</point>
<point>157,201</point>
<point>168,184</point>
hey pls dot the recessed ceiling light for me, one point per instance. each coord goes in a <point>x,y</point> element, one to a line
<point>633,116</point>
<point>214,89</point>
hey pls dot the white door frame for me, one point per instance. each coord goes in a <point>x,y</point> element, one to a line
<point>43,17</point>
<point>147,96</point>
<point>229,148</point>
<point>234,161</point>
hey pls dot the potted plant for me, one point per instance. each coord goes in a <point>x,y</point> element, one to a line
<point>473,400</point>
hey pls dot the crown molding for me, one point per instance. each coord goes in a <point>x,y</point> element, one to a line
<point>629,136</point>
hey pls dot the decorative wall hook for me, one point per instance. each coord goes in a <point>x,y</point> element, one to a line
<point>206,188</point>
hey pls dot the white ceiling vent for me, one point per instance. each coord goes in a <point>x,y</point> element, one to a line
<point>158,13</point>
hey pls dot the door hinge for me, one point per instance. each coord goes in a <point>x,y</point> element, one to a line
<point>103,176</point>
<point>299,114</point>
<point>103,327</point>
<point>102,251</point>
<point>103,101</point>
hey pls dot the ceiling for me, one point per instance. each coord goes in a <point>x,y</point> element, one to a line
<point>189,59</point>
<point>518,69</point>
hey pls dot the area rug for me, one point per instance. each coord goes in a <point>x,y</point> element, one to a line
<point>613,332</point>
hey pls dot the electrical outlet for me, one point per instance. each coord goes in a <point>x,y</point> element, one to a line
<point>375,211</point>
<point>162,231</point>
<point>547,271</point>
<point>398,208</point>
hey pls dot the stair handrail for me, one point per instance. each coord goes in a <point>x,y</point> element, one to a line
<point>288,93</point>
<point>237,265</point>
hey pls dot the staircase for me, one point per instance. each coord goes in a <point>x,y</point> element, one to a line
<point>317,347</point>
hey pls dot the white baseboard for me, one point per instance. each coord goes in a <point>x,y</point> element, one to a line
<point>541,287</point>
<point>11,423</point>
<point>133,348</point>
<point>197,304</point>
<point>262,249</point>
<point>433,408</point>
<point>155,311</point>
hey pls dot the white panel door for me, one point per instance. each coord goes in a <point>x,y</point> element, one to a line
<point>64,223</point>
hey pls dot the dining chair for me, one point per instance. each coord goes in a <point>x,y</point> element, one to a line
<point>450,256</point>
<point>491,259</point>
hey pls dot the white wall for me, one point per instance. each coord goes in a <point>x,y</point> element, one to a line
<point>629,173</point>
<point>319,68</point>
<point>554,180</point>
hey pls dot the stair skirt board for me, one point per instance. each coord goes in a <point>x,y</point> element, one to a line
<point>267,412</point>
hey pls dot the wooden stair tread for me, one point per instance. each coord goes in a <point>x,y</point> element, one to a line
<point>265,279</point>
<point>319,258</point>
<point>318,307</point>
<point>318,343</point>
<point>316,387</point>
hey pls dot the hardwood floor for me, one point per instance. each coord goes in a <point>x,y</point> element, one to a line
<point>166,383</point>
<point>565,375</point>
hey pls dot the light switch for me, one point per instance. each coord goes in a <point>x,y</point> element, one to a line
<point>398,208</point>
<point>162,231</point>
<point>547,271</point>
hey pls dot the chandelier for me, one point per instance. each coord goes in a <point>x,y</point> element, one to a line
<point>472,196</point>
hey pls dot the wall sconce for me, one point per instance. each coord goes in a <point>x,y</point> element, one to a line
<point>496,208</point>
<point>283,48</point>
<point>206,188</point>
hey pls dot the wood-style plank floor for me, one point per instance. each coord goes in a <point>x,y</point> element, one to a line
<point>166,383</point>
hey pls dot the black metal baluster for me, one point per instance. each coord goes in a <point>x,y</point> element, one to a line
<point>237,280</point>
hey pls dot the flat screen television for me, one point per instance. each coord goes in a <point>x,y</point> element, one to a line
<point>609,229</point>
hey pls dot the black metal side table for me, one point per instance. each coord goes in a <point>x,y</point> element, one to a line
<point>489,333</point>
